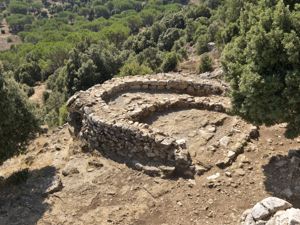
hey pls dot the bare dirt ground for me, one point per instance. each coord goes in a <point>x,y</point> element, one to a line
<point>65,185</point>
<point>37,97</point>
<point>7,39</point>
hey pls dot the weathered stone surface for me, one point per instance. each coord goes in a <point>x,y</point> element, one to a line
<point>69,171</point>
<point>288,217</point>
<point>271,211</point>
<point>275,204</point>
<point>259,212</point>
<point>224,141</point>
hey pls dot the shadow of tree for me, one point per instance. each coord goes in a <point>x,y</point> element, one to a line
<point>282,177</point>
<point>22,196</point>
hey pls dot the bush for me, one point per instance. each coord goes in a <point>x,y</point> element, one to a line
<point>262,65</point>
<point>90,64</point>
<point>134,68</point>
<point>63,114</point>
<point>170,62</point>
<point>206,64</point>
<point>46,95</point>
<point>17,120</point>
<point>202,44</point>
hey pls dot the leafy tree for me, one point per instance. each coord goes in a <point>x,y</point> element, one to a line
<point>202,42</point>
<point>90,64</point>
<point>139,42</point>
<point>28,73</point>
<point>167,39</point>
<point>101,11</point>
<point>18,7</point>
<point>116,33</point>
<point>134,23</point>
<point>174,20</point>
<point>148,16</point>
<point>262,64</point>
<point>17,120</point>
<point>198,11</point>
<point>151,57</point>
<point>17,22</point>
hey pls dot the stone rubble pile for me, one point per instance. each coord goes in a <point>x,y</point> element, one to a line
<point>118,132</point>
<point>271,211</point>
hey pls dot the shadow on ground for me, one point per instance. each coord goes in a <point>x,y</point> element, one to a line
<point>22,196</point>
<point>282,178</point>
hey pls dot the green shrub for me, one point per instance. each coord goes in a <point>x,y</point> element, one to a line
<point>46,95</point>
<point>134,68</point>
<point>201,46</point>
<point>170,62</point>
<point>206,64</point>
<point>63,114</point>
<point>17,120</point>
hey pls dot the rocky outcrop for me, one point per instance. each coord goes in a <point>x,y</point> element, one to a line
<point>271,211</point>
<point>119,133</point>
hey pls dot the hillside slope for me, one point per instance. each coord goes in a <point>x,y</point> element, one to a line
<point>62,183</point>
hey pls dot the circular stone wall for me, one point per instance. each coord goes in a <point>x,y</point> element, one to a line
<point>118,119</point>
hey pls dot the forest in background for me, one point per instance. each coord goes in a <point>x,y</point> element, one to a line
<point>72,45</point>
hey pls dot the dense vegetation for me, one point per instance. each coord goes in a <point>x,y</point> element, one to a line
<point>72,45</point>
<point>17,119</point>
<point>263,63</point>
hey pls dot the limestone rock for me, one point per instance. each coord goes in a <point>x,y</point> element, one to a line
<point>259,212</point>
<point>271,211</point>
<point>69,171</point>
<point>275,204</point>
<point>224,141</point>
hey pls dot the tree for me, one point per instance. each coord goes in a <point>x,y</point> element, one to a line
<point>28,73</point>
<point>206,64</point>
<point>17,120</point>
<point>17,22</point>
<point>262,64</point>
<point>17,7</point>
<point>101,11</point>
<point>167,39</point>
<point>116,33</point>
<point>151,57</point>
<point>90,64</point>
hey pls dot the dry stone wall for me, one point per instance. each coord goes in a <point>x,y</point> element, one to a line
<point>118,132</point>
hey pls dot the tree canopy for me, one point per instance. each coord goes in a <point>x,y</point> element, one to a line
<point>262,63</point>
<point>17,119</point>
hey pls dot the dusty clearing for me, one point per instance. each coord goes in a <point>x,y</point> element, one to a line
<point>100,191</point>
<point>37,97</point>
